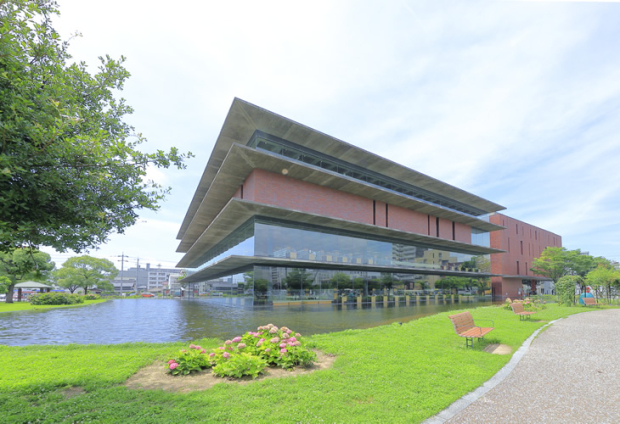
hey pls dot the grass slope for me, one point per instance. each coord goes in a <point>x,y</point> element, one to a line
<point>26,306</point>
<point>385,374</point>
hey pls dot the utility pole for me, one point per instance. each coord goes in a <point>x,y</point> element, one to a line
<point>122,256</point>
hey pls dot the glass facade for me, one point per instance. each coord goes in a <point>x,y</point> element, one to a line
<point>480,237</point>
<point>278,239</point>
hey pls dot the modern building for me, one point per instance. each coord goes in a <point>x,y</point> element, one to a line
<point>521,243</point>
<point>291,212</point>
<point>145,278</point>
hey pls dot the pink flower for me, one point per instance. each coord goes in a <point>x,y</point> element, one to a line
<point>171,361</point>
<point>226,355</point>
<point>297,335</point>
<point>293,339</point>
<point>183,350</point>
<point>268,350</point>
<point>192,346</point>
<point>282,345</point>
<point>221,347</point>
<point>240,345</point>
<point>259,343</point>
<point>297,344</point>
<point>274,330</point>
<point>236,339</point>
<point>211,355</point>
<point>283,350</point>
<point>274,340</point>
<point>173,365</point>
<point>285,329</point>
<point>203,351</point>
<point>228,342</point>
<point>197,347</point>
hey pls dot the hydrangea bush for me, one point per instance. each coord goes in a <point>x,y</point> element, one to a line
<point>249,354</point>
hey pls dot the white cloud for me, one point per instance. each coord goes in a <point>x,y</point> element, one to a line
<point>514,101</point>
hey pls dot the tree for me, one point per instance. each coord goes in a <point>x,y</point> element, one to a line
<point>340,280</point>
<point>604,277</point>
<point>297,279</point>
<point>452,283</point>
<point>70,169</point>
<point>553,263</point>
<point>565,289</point>
<point>86,272</point>
<point>24,264</point>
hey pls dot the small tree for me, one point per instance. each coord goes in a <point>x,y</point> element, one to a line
<point>341,280</point>
<point>297,279</point>
<point>565,289</point>
<point>603,277</point>
<point>87,272</point>
<point>21,264</point>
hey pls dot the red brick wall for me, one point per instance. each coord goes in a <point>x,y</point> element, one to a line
<point>286,192</point>
<point>408,220</point>
<point>463,232</point>
<point>534,241</point>
<point>445,228</point>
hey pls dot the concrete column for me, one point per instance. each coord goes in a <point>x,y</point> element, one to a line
<point>373,301</point>
<point>359,301</point>
<point>397,301</point>
<point>407,300</point>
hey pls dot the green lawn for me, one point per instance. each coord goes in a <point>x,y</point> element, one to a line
<point>26,306</point>
<point>385,374</point>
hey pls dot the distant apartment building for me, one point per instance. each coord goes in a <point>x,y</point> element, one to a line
<point>145,278</point>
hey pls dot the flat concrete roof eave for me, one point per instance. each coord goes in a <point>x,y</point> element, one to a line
<point>244,119</point>
<point>238,211</point>
<point>242,160</point>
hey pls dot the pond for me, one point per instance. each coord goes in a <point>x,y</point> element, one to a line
<point>165,320</point>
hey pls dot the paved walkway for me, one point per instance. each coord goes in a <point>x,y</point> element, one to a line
<point>569,374</point>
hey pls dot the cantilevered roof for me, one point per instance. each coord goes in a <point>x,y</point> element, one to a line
<point>32,285</point>
<point>241,160</point>
<point>244,119</point>
<point>237,212</point>
<point>236,264</point>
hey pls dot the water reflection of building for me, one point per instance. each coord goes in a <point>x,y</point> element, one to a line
<point>287,209</point>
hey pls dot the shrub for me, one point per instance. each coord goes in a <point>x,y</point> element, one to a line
<point>565,288</point>
<point>239,365</point>
<point>193,360</point>
<point>56,299</point>
<point>92,296</point>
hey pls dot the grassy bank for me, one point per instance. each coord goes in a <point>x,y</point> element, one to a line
<point>26,306</point>
<point>385,374</point>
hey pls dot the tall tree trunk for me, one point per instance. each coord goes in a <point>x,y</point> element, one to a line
<point>9,293</point>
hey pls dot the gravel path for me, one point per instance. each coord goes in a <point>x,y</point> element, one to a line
<point>569,374</point>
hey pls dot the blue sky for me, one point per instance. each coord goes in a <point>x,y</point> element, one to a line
<point>515,101</point>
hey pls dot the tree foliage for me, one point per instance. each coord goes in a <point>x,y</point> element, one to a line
<point>70,169</point>
<point>20,265</point>
<point>556,262</point>
<point>298,279</point>
<point>565,289</point>
<point>86,272</point>
<point>603,278</point>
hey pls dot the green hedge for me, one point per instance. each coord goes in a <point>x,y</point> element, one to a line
<point>56,299</point>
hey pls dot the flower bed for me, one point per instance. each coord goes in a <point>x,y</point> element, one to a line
<point>249,354</point>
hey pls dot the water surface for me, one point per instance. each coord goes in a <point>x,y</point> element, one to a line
<point>164,320</point>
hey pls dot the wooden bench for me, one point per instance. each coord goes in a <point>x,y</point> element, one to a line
<point>590,301</point>
<point>464,326</point>
<point>517,308</point>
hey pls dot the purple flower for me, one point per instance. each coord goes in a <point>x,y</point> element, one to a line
<point>226,355</point>
<point>283,350</point>
<point>236,339</point>
<point>173,365</point>
<point>211,355</point>
<point>240,345</point>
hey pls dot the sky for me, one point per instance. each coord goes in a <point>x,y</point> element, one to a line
<point>515,101</point>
